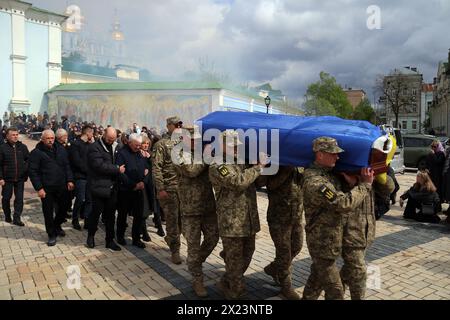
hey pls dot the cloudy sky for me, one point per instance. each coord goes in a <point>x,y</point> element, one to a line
<point>286,42</point>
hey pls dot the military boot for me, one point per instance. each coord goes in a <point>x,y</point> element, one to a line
<point>176,258</point>
<point>287,290</point>
<point>270,270</point>
<point>223,287</point>
<point>199,288</point>
<point>289,293</point>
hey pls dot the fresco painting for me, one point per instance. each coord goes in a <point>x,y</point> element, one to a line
<point>122,110</point>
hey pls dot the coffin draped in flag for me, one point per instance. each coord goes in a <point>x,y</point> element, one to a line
<point>364,144</point>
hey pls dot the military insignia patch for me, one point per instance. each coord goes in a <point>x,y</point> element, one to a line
<point>328,193</point>
<point>223,170</point>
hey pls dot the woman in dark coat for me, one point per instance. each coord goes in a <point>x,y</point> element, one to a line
<point>446,177</point>
<point>152,203</point>
<point>423,201</point>
<point>435,165</point>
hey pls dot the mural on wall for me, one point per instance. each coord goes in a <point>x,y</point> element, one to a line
<point>122,110</point>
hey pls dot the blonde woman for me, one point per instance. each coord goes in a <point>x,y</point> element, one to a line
<point>151,203</point>
<point>423,201</point>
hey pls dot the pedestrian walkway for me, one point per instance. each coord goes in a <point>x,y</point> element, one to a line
<point>409,260</point>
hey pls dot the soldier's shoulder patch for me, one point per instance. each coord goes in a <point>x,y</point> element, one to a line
<point>329,194</point>
<point>223,170</point>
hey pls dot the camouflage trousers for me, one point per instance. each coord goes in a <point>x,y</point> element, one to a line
<point>354,271</point>
<point>197,253</point>
<point>324,276</point>
<point>288,241</point>
<point>238,255</point>
<point>171,208</point>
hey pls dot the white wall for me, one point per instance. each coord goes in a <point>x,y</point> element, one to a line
<point>5,61</point>
<point>37,76</point>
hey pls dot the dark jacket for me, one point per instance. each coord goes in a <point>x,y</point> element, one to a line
<point>78,159</point>
<point>446,177</point>
<point>416,200</point>
<point>435,164</point>
<point>14,162</point>
<point>49,167</point>
<point>150,188</point>
<point>134,168</point>
<point>103,173</point>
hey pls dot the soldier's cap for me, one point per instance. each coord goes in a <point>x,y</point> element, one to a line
<point>326,144</point>
<point>194,131</point>
<point>231,138</point>
<point>174,120</point>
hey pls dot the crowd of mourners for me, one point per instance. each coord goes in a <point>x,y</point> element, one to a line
<point>94,171</point>
<point>432,187</point>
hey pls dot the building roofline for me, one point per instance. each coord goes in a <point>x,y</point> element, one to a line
<point>141,85</point>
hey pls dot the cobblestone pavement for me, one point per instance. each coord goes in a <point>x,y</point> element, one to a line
<point>409,260</point>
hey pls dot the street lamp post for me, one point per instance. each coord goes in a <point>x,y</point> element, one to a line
<point>267,100</point>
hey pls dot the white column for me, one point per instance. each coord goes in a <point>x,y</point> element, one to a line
<point>19,101</point>
<point>251,105</point>
<point>217,100</point>
<point>54,55</point>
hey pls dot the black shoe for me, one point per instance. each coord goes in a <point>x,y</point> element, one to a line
<point>139,244</point>
<point>86,226</point>
<point>18,222</point>
<point>76,225</point>
<point>113,246</point>
<point>90,243</point>
<point>51,241</point>
<point>161,232</point>
<point>146,236</point>
<point>8,218</point>
<point>65,220</point>
<point>60,232</point>
<point>121,241</point>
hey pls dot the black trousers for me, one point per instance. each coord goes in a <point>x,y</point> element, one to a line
<point>107,208</point>
<point>130,202</point>
<point>54,198</point>
<point>7,192</point>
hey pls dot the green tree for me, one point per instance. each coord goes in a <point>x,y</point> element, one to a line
<point>326,97</point>
<point>364,111</point>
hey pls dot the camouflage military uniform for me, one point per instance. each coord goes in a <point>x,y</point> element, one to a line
<point>284,217</point>
<point>198,214</point>
<point>326,207</point>
<point>359,233</point>
<point>166,179</point>
<point>238,221</point>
